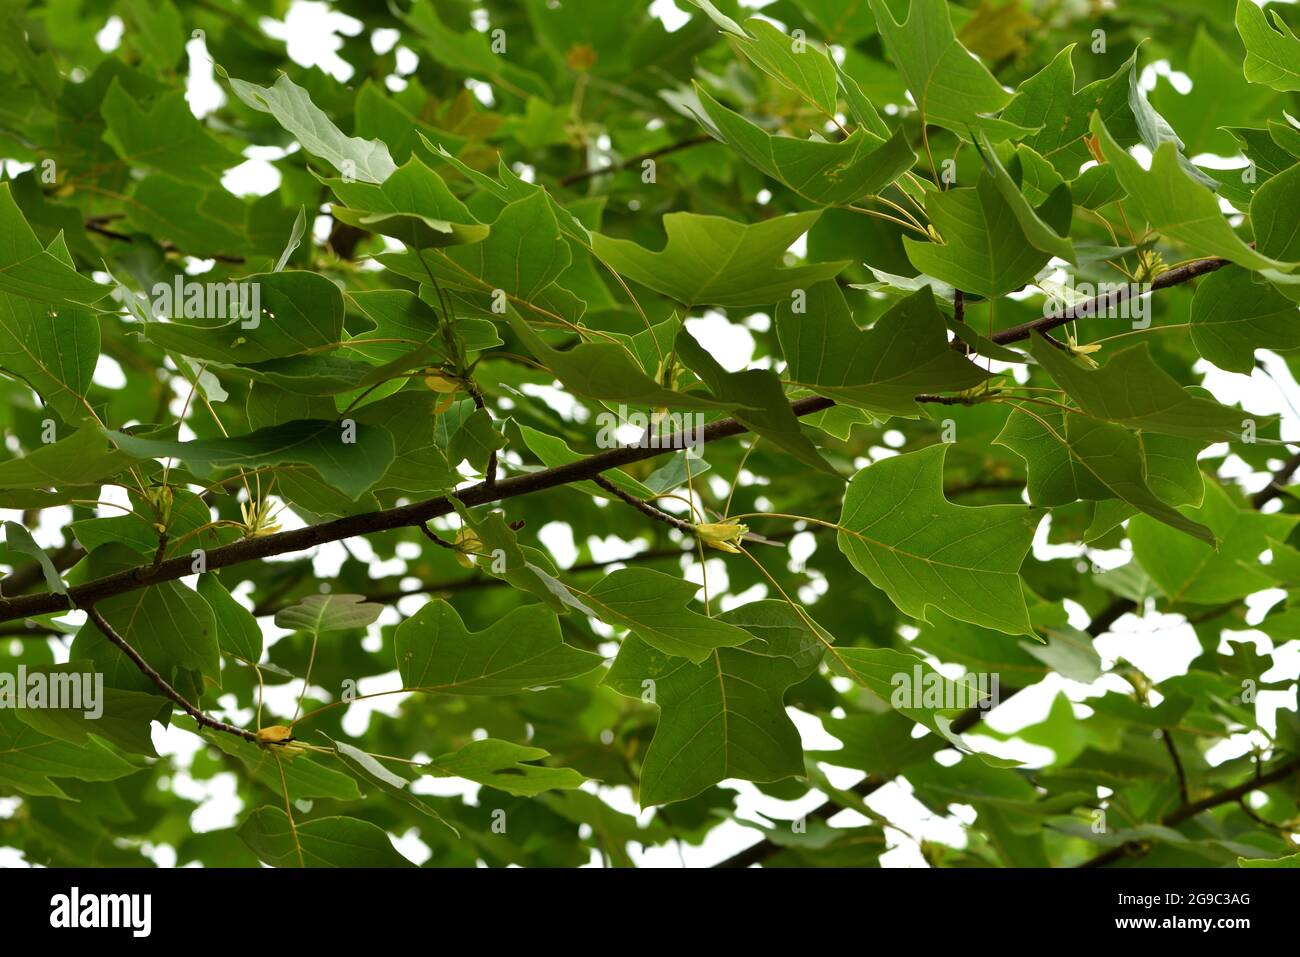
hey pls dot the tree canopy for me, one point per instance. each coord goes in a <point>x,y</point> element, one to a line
<point>571,432</point>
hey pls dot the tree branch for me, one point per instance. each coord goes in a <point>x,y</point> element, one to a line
<point>405,516</point>
<point>644,507</point>
<point>163,685</point>
<point>1188,811</point>
<point>1090,308</point>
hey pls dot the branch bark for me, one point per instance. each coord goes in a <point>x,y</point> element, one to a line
<point>162,683</point>
<point>405,516</point>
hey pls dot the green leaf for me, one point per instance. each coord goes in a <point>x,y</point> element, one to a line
<point>19,540</point>
<point>828,174</point>
<point>1071,456</point>
<point>804,67</point>
<point>54,348</point>
<point>437,654</point>
<point>900,532</point>
<point>950,87</point>
<point>1292,861</point>
<point>301,311</point>
<point>1234,313</point>
<point>1274,211</point>
<point>237,630</point>
<point>1131,390</point>
<point>31,271</point>
<point>34,763</point>
<point>367,768</point>
<point>351,467</point>
<point>317,614</point>
<point>723,717</point>
<point>709,260</point>
<point>475,441</point>
<point>291,105</point>
<point>505,766</point>
<point>608,372</point>
<point>84,457</point>
<point>881,369</point>
<point>985,249</point>
<point>1049,100</point>
<point>168,624</point>
<point>1037,233</point>
<point>1272,53</point>
<point>911,686</point>
<point>165,137</point>
<point>321,842</point>
<point>756,389</point>
<point>1176,206</point>
<point>413,205</point>
<point>119,718</point>
<point>1194,572</point>
<point>652,606</point>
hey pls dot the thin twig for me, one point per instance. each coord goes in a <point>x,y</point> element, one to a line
<point>164,686</point>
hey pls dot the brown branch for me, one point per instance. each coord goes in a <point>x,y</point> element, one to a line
<point>1091,307</point>
<point>1178,765</point>
<point>164,686</point>
<point>1188,811</point>
<point>631,161</point>
<point>1274,488</point>
<point>644,507</point>
<point>405,516</point>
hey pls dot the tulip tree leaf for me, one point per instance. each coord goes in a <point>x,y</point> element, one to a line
<point>653,606</point>
<point>1071,457</point>
<point>829,174</point>
<point>756,389</point>
<point>291,105</point>
<point>723,717</point>
<point>900,532</point>
<point>413,205</point>
<point>437,654</point>
<point>950,86</point>
<point>1234,313</point>
<point>317,614</point>
<point>1272,52</point>
<point>349,466</point>
<point>1178,207</point>
<point>881,369</point>
<point>985,249</point>
<point>1149,398</point>
<point>710,260</point>
<point>320,842</point>
<point>505,766</point>
<point>1196,572</point>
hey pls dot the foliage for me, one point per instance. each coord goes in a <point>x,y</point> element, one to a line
<point>296,472</point>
